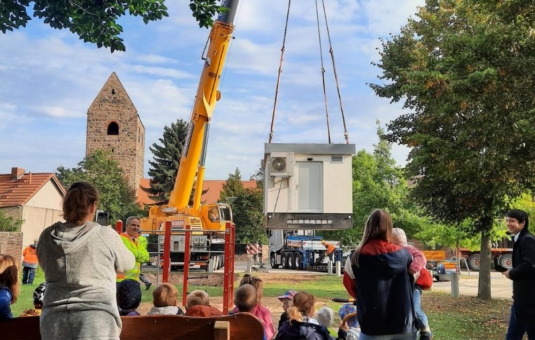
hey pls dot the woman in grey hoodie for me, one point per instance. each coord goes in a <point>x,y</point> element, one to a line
<point>80,259</point>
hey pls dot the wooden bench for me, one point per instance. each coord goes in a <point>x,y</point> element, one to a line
<point>241,326</point>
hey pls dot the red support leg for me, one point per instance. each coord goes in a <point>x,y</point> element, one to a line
<point>187,258</point>
<point>166,252</point>
<point>119,226</point>
<point>228,280</point>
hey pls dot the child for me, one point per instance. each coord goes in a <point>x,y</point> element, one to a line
<point>165,299</point>
<point>300,324</point>
<point>198,304</point>
<point>245,299</point>
<point>423,281</point>
<point>128,297</point>
<point>287,302</point>
<point>9,285</point>
<point>259,311</point>
<point>325,317</point>
<point>351,331</point>
<point>38,295</point>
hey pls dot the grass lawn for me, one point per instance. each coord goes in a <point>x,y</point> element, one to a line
<point>464,318</point>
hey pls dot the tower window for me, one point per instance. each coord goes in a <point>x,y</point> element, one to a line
<point>112,91</point>
<point>113,129</point>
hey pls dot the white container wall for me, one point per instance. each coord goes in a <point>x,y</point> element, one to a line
<point>308,186</point>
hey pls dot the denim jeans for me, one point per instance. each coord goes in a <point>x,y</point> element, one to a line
<point>27,275</point>
<point>411,336</point>
<point>518,326</point>
<point>421,318</point>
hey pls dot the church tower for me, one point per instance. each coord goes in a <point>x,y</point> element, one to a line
<point>113,124</point>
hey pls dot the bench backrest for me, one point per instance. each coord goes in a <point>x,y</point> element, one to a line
<point>241,326</point>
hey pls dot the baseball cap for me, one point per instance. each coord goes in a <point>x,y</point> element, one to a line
<point>347,309</point>
<point>288,295</point>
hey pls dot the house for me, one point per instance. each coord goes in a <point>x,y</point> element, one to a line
<point>211,187</point>
<point>36,198</point>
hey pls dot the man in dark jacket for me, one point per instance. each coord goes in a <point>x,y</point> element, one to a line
<point>522,318</point>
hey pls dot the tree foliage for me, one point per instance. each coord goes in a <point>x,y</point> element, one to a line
<point>104,173</point>
<point>379,183</point>
<point>247,206</point>
<point>232,187</point>
<point>166,160</point>
<point>464,69</point>
<point>96,21</point>
<point>8,223</point>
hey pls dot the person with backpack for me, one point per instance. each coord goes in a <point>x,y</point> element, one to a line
<point>423,279</point>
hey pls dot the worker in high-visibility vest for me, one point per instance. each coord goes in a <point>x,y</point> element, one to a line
<point>131,241</point>
<point>329,250</point>
<point>144,243</point>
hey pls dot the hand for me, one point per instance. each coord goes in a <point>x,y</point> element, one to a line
<point>344,327</point>
<point>506,274</point>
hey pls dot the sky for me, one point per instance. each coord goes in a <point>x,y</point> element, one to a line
<point>49,78</point>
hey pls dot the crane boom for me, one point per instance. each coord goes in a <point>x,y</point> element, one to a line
<point>205,100</point>
<point>212,216</point>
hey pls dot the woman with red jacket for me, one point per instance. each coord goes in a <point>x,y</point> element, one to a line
<point>377,275</point>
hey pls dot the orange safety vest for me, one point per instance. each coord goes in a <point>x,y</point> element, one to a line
<point>30,255</point>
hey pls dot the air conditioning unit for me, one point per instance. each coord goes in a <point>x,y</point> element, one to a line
<point>281,164</point>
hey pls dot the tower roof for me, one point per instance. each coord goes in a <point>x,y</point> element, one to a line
<point>113,92</point>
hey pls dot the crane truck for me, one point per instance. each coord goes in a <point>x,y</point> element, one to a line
<point>206,222</point>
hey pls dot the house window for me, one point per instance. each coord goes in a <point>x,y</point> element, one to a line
<point>113,129</point>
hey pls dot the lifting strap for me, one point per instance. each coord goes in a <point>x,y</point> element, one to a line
<point>331,51</point>
<point>280,71</point>
<point>323,76</point>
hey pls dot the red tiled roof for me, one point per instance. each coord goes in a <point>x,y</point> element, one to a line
<point>214,188</point>
<point>20,191</point>
<point>142,196</point>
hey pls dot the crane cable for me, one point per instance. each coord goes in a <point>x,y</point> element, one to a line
<point>323,76</point>
<point>280,71</point>
<point>331,51</point>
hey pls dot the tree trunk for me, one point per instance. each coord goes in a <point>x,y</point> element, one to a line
<point>484,292</point>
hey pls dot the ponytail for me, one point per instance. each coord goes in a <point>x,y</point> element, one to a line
<point>294,314</point>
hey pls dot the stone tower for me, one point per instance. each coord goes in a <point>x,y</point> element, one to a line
<point>113,124</point>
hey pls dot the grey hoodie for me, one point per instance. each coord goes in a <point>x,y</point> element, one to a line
<point>80,264</point>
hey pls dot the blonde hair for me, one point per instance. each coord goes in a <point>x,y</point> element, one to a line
<point>9,275</point>
<point>165,295</point>
<point>399,237</point>
<point>378,227</point>
<point>197,297</point>
<point>257,283</point>
<point>303,303</point>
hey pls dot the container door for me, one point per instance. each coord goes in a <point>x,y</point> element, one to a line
<point>310,186</point>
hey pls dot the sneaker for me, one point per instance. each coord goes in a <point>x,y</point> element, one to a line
<point>147,285</point>
<point>426,335</point>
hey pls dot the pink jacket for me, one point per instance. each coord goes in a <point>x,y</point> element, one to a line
<point>418,260</point>
<point>264,315</point>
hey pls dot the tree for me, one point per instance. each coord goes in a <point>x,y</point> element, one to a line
<point>164,168</point>
<point>259,175</point>
<point>247,215</point>
<point>247,209</point>
<point>379,183</point>
<point>96,21</point>
<point>464,72</point>
<point>8,223</point>
<point>104,173</point>
<point>232,187</point>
